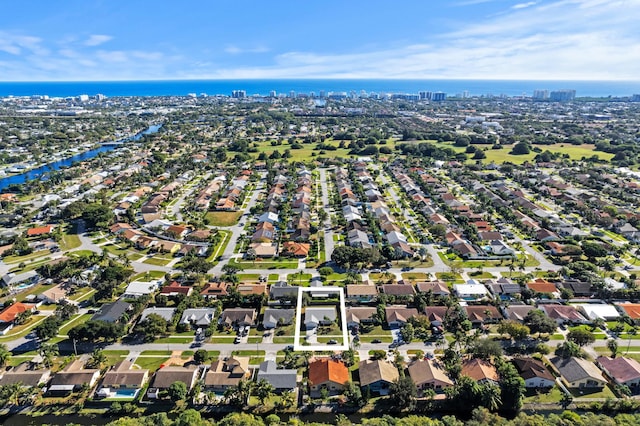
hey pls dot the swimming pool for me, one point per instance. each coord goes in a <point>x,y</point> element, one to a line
<point>125,393</point>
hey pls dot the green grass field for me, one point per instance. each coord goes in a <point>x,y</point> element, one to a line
<point>575,152</point>
<point>223,218</point>
<point>306,153</point>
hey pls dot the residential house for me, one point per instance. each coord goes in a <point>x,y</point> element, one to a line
<point>295,249</point>
<point>534,373</point>
<point>55,294</point>
<point>274,317</point>
<point>170,374</point>
<point>238,317</point>
<point>224,374</point>
<point>436,314</point>
<point>11,312</point>
<point>479,370</point>
<point>282,380</point>
<point>282,290</point>
<point>12,280</point>
<point>500,248</point>
<point>598,311</point>
<point>542,286</point>
<point>112,312</point>
<point>377,376</point>
<point>137,289</point>
<point>121,381</point>
<point>264,250</point>
<point>429,374</point>
<point>164,313</point>
<point>40,231</point>
<point>397,316</point>
<point>398,290</point>
<point>315,316</point>
<point>329,374</point>
<point>214,290</point>
<point>517,312</point>
<point>579,373</point>
<point>360,315</point>
<point>175,289</point>
<point>563,314</point>
<point>470,291</point>
<point>632,310</point>
<point>482,314</point>
<point>265,233</point>
<point>624,371</point>
<point>73,377</point>
<point>437,288</point>
<point>26,374</point>
<point>198,317</point>
<point>362,293</point>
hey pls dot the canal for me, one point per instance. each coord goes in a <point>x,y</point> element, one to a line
<point>66,162</point>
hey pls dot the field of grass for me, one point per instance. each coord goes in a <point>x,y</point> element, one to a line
<point>223,218</point>
<point>258,264</point>
<point>26,258</point>
<point>414,276</point>
<point>306,153</point>
<point>226,237</point>
<point>174,340</point>
<point>575,152</point>
<point>533,397</point>
<point>75,320</point>
<point>156,353</point>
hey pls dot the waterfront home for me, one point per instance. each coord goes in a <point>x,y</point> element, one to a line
<point>26,374</point>
<point>274,317</point>
<point>429,374</point>
<point>282,380</point>
<point>168,375</point>
<point>377,376</point>
<point>624,371</point>
<point>73,377</point>
<point>121,381</point>
<point>534,373</point>
<point>223,374</point>
<point>329,374</point>
<point>579,373</point>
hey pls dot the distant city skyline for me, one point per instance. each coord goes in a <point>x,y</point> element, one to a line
<point>95,40</point>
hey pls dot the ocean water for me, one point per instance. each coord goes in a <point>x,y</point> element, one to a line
<point>264,87</point>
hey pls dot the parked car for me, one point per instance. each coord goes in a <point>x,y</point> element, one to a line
<point>332,342</point>
<point>238,339</point>
<point>376,341</point>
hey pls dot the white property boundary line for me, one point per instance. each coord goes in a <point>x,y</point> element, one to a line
<point>343,316</point>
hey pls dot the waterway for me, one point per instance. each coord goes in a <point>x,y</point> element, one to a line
<point>39,172</point>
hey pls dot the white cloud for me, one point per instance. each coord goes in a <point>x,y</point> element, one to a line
<point>524,5</point>
<point>235,50</point>
<point>97,40</point>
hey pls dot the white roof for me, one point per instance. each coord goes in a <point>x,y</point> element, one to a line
<point>469,289</point>
<point>140,288</point>
<point>598,310</point>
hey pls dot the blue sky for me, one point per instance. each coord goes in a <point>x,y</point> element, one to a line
<point>42,40</point>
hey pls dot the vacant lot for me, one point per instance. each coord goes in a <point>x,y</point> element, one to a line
<point>223,218</point>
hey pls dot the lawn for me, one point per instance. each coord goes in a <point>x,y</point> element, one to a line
<point>223,218</point>
<point>248,277</point>
<point>150,363</point>
<point>606,392</point>
<point>25,258</point>
<point>114,357</point>
<point>148,276</point>
<point>157,261</point>
<point>273,278</point>
<point>414,276</point>
<point>226,237</point>
<point>24,329</point>
<point>258,264</point>
<point>174,340</point>
<point>533,397</point>
<point>75,320</point>
<point>449,276</point>
<point>156,353</point>
<point>69,242</point>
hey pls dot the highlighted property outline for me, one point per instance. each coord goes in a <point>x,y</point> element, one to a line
<point>343,320</point>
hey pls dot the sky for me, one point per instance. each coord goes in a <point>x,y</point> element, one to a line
<point>87,40</point>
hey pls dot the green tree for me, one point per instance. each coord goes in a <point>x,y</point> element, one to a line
<point>539,322</point>
<point>403,393</point>
<point>48,328</point>
<point>177,391</point>
<point>263,390</point>
<point>5,355</point>
<point>153,325</point>
<point>486,349</point>
<point>354,395</point>
<point>97,360</point>
<point>241,419</point>
<point>514,329</point>
<point>48,352</point>
<point>521,148</point>
<point>612,345</point>
<point>512,387</point>
<point>407,332</point>
<point>581,337</point>
<point>200,356</point>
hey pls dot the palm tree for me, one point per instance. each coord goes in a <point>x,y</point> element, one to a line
<point>263,390</point>
<point>98,358</point>
<point>5,354</point>
<point>48,352</point>
<point>491,397</point>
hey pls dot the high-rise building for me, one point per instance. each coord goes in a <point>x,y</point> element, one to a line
<point>540,94</point>
<point>292,94</point>
<point>425,96</point>
<point>438,96</point>
<point>239,94</point>
<point>272,94</point>
<point>635,98</point>
<point>564,95</point>
<point>323,94</point>
<point>465,94</point>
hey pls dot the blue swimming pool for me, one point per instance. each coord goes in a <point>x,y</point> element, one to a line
<point>126,393</point>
